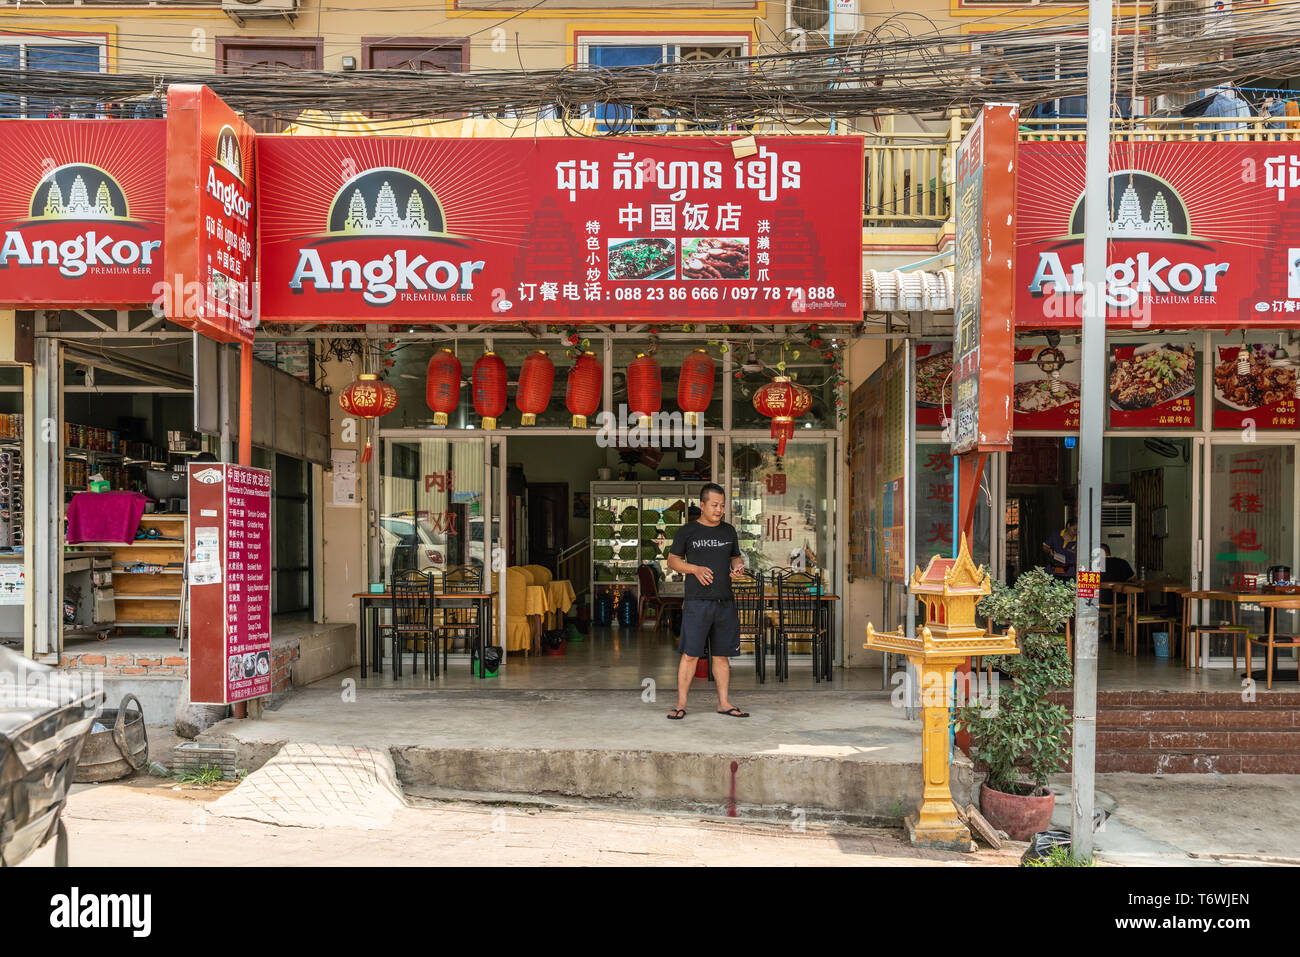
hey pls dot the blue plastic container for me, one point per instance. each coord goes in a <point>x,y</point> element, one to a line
<point>1161,640</point>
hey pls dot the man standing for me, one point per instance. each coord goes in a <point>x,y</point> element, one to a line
<point>707,552</point>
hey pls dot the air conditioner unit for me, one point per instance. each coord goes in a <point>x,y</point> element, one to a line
<point>1119,530</point>
<point>241,10</point>
<point>816,18</point>
<point>1193,19</point>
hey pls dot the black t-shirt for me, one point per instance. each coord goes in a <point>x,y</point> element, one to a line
<point>1117,570</point>
<point>712,546</point>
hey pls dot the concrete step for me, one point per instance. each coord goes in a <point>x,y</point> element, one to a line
<point>1217,700</point>
<point>1190,762</point>
<point>1142,739</point>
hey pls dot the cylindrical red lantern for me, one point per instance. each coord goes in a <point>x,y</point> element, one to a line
<point>488,384</point>
<point>442,385</point>
<point>782,401</point>
<point>582,391</point>
<point>645,389</point>
<point>536,379</point>
<point>368,398</point>
<point>695,385</point>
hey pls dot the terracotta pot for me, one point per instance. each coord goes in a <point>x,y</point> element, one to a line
<point>1020,817</point>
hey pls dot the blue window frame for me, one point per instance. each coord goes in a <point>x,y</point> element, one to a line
<point>77,57</point>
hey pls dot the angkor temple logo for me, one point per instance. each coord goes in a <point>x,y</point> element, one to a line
<point>386,202</point>
<point>229,153</point>
<point>1142,206</point>
<point>79,191</point>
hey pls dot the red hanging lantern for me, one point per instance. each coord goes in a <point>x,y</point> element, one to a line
<point>536,379</point>
<point>695,385</point>
<point>583,389</point>
<point>782,401</point>
<point>488,385</point>
<point>442,385</point>
<point>368,398</point>
<point>645,389</point>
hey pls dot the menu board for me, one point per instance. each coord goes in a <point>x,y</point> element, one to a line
<point>1263,398</point>
<point>1153,384</point>
<point>1047,387</point>
<point>933,383</point>
<point>229,568</point>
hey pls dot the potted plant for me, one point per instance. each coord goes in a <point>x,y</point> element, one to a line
<point>1020,739</point>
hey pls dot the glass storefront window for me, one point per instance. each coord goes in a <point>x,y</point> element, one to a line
<point>779,506</point>
<point>1252,513</point>
<point>432,493</point>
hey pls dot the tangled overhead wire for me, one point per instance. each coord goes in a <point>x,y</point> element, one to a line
<point>905,64</point>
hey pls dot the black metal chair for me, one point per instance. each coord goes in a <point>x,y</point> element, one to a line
<point>748,593</point>
<point>799,618</point>
<point>456,623</point>
<point>410,602</point>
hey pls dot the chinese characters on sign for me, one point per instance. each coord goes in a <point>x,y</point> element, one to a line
<point>230,582</point>
<point>578,229</point>
<point>1265,397</point>
<point>983,336</point>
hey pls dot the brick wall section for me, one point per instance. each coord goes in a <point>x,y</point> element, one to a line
<point>166,663</point>
<point>173,665</point>
<point>282,660</point>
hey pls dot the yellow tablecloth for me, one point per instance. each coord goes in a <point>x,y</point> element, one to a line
<point>560,598</point>
<point>536,601</point>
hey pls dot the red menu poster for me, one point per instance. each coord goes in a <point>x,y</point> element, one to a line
<point>229,572</point>
<point>1264,397</point>
<point>1047,388</point>
<point>1153,384</point>
<point>933,383</point>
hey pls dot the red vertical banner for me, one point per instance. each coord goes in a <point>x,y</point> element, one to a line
<point>210,243</point>
<point>229,569</point>
<point>984,336</point>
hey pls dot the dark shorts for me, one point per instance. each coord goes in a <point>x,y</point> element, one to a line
<point>712,623</point>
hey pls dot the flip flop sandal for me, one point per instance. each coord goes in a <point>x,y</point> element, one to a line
<point>734,712</point>
<point>676,714</point>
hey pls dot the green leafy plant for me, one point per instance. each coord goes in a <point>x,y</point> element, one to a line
<point>205,776</point>
<point>1021,738</point>
<point>1061,857</point>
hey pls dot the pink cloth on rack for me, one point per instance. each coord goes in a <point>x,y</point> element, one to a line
<point>104,516</point>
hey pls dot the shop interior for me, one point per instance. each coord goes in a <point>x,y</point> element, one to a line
<point>128,425</point>
<point>593,509</point>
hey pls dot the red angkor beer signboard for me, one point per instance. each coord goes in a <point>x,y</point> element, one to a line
<point>210,216</point>
<point>81,212</point>
<point>230,582</point>
<point>383,229</point>
<point>1201,234</point>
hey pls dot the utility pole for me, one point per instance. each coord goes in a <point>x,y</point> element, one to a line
<point>1092,409</point>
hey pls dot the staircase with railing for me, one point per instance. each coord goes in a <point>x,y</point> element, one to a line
<point>574,564</point>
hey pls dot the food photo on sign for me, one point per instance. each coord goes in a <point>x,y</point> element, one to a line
<point>1047,386</point>
<point>1255,382</point>
<point>933,383</point>
<point>1153,383</point>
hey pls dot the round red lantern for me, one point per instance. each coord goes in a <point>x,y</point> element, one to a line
<point>368,398</point>
<point>582,391</point>
<point>645,389</point>
<point>782,401</point>
<point>536,379</point>
<point>442,385</point>
<point>695,385</point>
<point>488,385</point>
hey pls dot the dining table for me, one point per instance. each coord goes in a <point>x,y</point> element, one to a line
<point>373,603</point>
<point>1237,599</point>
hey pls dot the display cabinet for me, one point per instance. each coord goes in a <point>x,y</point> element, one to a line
<point>632,524</point>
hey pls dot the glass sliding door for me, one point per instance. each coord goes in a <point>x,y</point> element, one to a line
<point>432,494</point>
<point>782,507</point>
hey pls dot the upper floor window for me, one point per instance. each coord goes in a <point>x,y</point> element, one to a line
<point>650,51</point>
<point>84,55</point>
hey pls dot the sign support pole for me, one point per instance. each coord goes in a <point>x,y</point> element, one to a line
<point>1092,410</point>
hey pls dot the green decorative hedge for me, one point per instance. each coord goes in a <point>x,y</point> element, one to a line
<point>672,516</point>
<point>602,553</point>
<point>629,515</point>
<point>670,531</point>
<point>649,516</point>
<point>629,533</point>
<point>602,516</point>
<point>604,532</point>
<point>627,552</point>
